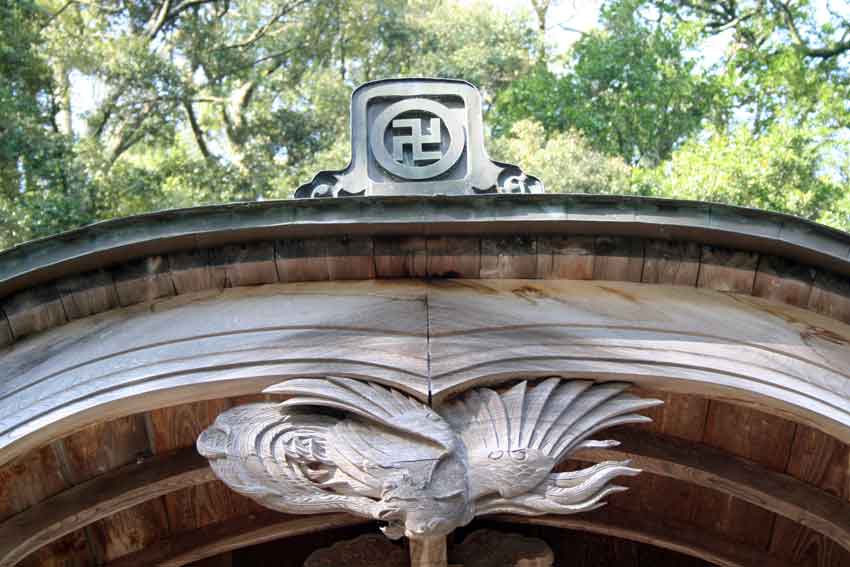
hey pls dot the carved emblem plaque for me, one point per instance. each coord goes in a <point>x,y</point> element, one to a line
<point>418,137</point>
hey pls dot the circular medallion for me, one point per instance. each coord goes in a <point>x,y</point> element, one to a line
<point>415,139</point>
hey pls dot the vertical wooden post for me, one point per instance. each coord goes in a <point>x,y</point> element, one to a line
<point>428,552</point>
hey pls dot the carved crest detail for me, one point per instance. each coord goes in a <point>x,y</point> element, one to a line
<point>418,137</point>
<point>337,444</point>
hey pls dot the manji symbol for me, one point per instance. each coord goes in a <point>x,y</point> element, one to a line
<point>416,140</point>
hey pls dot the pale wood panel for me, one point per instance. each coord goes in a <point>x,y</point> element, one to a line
<point>509,257</point>
<point>401,257</point>
<point>618,258</point>
<point>86,294</point>
<point>831,296</point>
<point>724,269</point>
<point>782,280</point>
<point>671,262</point>
<point>34,310</point>
<point>454,256</point>
<point>565,257</point>
<point>143,280</point>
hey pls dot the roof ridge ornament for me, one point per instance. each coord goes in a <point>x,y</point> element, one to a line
<point>418,137</point>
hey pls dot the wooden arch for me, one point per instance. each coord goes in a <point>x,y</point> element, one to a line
<point>751,312</point>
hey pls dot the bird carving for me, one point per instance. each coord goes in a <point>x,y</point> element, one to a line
<point>341,445</point>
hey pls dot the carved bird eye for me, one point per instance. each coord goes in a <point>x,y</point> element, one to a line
<point>519,455</point>
<point>433,417</point>
<point>496,455</point>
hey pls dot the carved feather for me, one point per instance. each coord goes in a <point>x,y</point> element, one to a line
<point>515,438</point>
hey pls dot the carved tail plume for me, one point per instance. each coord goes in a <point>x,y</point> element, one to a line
<point>514,440</point>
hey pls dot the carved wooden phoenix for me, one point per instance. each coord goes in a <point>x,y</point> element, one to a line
<point>342,445</point>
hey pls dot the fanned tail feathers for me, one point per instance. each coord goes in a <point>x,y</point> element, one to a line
<point>555,417</point>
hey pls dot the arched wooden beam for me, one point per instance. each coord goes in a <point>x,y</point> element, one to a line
<point>98,498</point>
<point>229,535</point>
<point>682,538</point>
<point>426,339</point>
<point>706,466</point>
<point>251,530</point>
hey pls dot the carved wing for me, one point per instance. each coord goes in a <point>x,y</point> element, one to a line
<point>514,440</point>
<point>290,457</point>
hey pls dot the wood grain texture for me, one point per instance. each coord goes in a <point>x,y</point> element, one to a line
<point>120,489</point>
<point>234,534</point>
<point>509,257</point>
<point>788,361</point>
<point>143,280</point>
<point>87,294</point>
<point>28,480</point>
<point>831,296</point>
<point>454,256</point>
<point>251,263</point>
<point>102,447</point>
<point>618,258</point>
<point>565,257</point>
<point>734,477</point>
<point>671,262</point>
<point>34,310</point>
<point>401,257</point>
<point>724,269</point>
<point>784,281</point>
<point>194,270</point>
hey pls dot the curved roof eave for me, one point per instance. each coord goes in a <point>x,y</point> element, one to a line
<point>109,242</point>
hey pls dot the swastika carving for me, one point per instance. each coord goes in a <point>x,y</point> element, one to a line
<point>441,161</point>
<point>416,140</point>
<point>418,136</point>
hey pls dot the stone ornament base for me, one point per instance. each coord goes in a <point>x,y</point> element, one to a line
<point>482,548</point>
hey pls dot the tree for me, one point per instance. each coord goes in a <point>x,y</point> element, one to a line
<point>564,160</point>
<point>781,170</point>
<point>629,88</point>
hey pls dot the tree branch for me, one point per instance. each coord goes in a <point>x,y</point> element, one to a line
<point>197,132</point>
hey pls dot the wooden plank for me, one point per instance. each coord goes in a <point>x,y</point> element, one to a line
<point>831,296</point>
<point>565,257</point>
<point>6,336</point>
<point>401,257</point>
<point>143,280</point>
<point>70,551</point>
<point>733,476</point>
<point>86,294</point>
<point>824,462</point>
<point>234,534</point>
<point>753,435</point>
<point>671,262</point>
<point>223,560</point>
<point>129,531</point>
<point>681,415</point>
<point>302,260</point>
<point>250,263</point>
<point>454,257</point>
<point>724,269</point>
<point>120,489</point>
<point>102,447</point>
<point>195,506</point>
<point>34,310</point>
<point>679,537</point>
<point>350,259</point>
<point>782,280</point>
<point>618,258</point>
<point>509,257</point>
<point>192,270</point>
<point>28,480</point>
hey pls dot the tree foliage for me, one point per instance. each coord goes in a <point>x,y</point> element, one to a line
<point>114,108</point>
